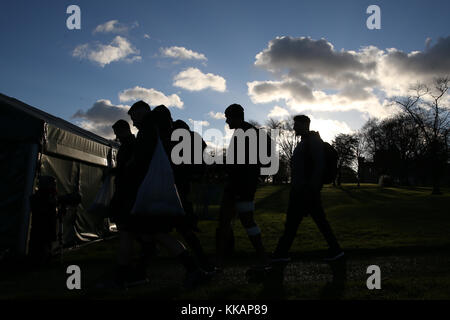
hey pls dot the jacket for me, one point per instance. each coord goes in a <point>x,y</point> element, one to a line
<point>308,163</point>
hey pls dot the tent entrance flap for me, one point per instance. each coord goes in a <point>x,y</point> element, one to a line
<point>76,176</point>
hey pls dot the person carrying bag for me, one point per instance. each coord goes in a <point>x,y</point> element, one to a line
<point>158,195</point>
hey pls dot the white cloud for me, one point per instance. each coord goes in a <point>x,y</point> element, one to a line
<point>216,115</point>
<point>217,139</point>
<point>427,42</point>
<point>146,36</point>
<point>119,49</point>
<point>312,75</point>
<point>181,53</point>
<point>193,79</point>
<point>278,112</point>
<point>133,59</point>
<point>151,96</point>
<point>114,26</point>
<point>201,123</point>
<point>329,129</point>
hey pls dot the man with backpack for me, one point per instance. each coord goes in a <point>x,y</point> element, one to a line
<point>311,166</point>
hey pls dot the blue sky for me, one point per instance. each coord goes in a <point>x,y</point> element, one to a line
<point>39,65</point>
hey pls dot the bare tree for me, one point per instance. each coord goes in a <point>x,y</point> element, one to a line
<point>254,123</point>
<point>345,145</point>
<point>287,140</point>
<point>360,147</point>
<point>286,143</point>
<point>425,107</point>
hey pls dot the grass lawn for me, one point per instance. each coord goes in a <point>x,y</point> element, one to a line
<point>405,231</point>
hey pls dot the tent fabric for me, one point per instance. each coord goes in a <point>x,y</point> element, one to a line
<point>13,169</point>
<point>65,143</point>
<point>74,156</point>
<point>32,120</point>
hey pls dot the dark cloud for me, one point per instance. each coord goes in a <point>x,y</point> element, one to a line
<point>434,60</point>
<point>308,56</point>
<point>261,91</point>
<point>101,116</point>
<point>355,93</point>
<point>298,90</point>
<point>315,65</point>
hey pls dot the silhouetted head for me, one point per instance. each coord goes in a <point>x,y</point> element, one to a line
<point>301,124</point>
<point>180,124</point>
<point>163,118</point>
<point>121,129</point>
<point>234,116</point>
<point>138,111</point>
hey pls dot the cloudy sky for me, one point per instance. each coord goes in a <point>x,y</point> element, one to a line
<point>275,58</point>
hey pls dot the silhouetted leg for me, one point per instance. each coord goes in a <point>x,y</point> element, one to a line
<point>253,231</point>
<point>194,275</point>
<point>124,257</point>
<point>321,221</point>
<point>176,249</point>
<point>194,243</point>
<point>125,252</point>
<point>276,276</point>
<point>287,239</point>
<point>191,217</point>
<point>339,266</point>
<point>224,230</point>
<point>294,216</point>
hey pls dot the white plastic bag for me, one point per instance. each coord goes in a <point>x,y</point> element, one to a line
<point>103,197</point>
<point>158,194</point>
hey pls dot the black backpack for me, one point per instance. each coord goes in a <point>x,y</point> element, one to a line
<point>331,159</point>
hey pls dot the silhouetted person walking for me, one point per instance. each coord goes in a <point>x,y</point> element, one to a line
<point>156,227</point>
<point>307,170</point>
<point>240,189</point>
<point>185,173</point>
<point>183,177</point>
<point>127,141</point>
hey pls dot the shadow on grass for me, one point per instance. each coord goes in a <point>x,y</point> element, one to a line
<point>276,201</point>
